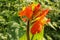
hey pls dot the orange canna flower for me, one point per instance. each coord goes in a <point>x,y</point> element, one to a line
<point>40,19</point>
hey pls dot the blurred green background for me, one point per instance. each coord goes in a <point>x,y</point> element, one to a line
<point>12,27</point>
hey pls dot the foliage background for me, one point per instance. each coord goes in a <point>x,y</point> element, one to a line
<point>12,27</point>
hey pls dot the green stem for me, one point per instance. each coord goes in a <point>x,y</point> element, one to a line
<point>28,37</point>
<point>32,37</point>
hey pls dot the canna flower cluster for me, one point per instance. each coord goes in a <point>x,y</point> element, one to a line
<point>36,14</point>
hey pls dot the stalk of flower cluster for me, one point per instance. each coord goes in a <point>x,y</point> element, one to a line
<point>28,36</point>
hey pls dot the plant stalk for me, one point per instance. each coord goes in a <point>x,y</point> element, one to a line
<point>32,37</point>
<point>28,37</point>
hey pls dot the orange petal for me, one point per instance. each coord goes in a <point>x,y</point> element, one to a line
<point>36,27</point>
<point>44,13</point>
<point>40,28</point>
<point>22,13</point>
<point>37,8</point>
<point>29,12</point>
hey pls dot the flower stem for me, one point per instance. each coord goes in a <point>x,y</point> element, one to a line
<point>32,37</point>
<point>28,37</point>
